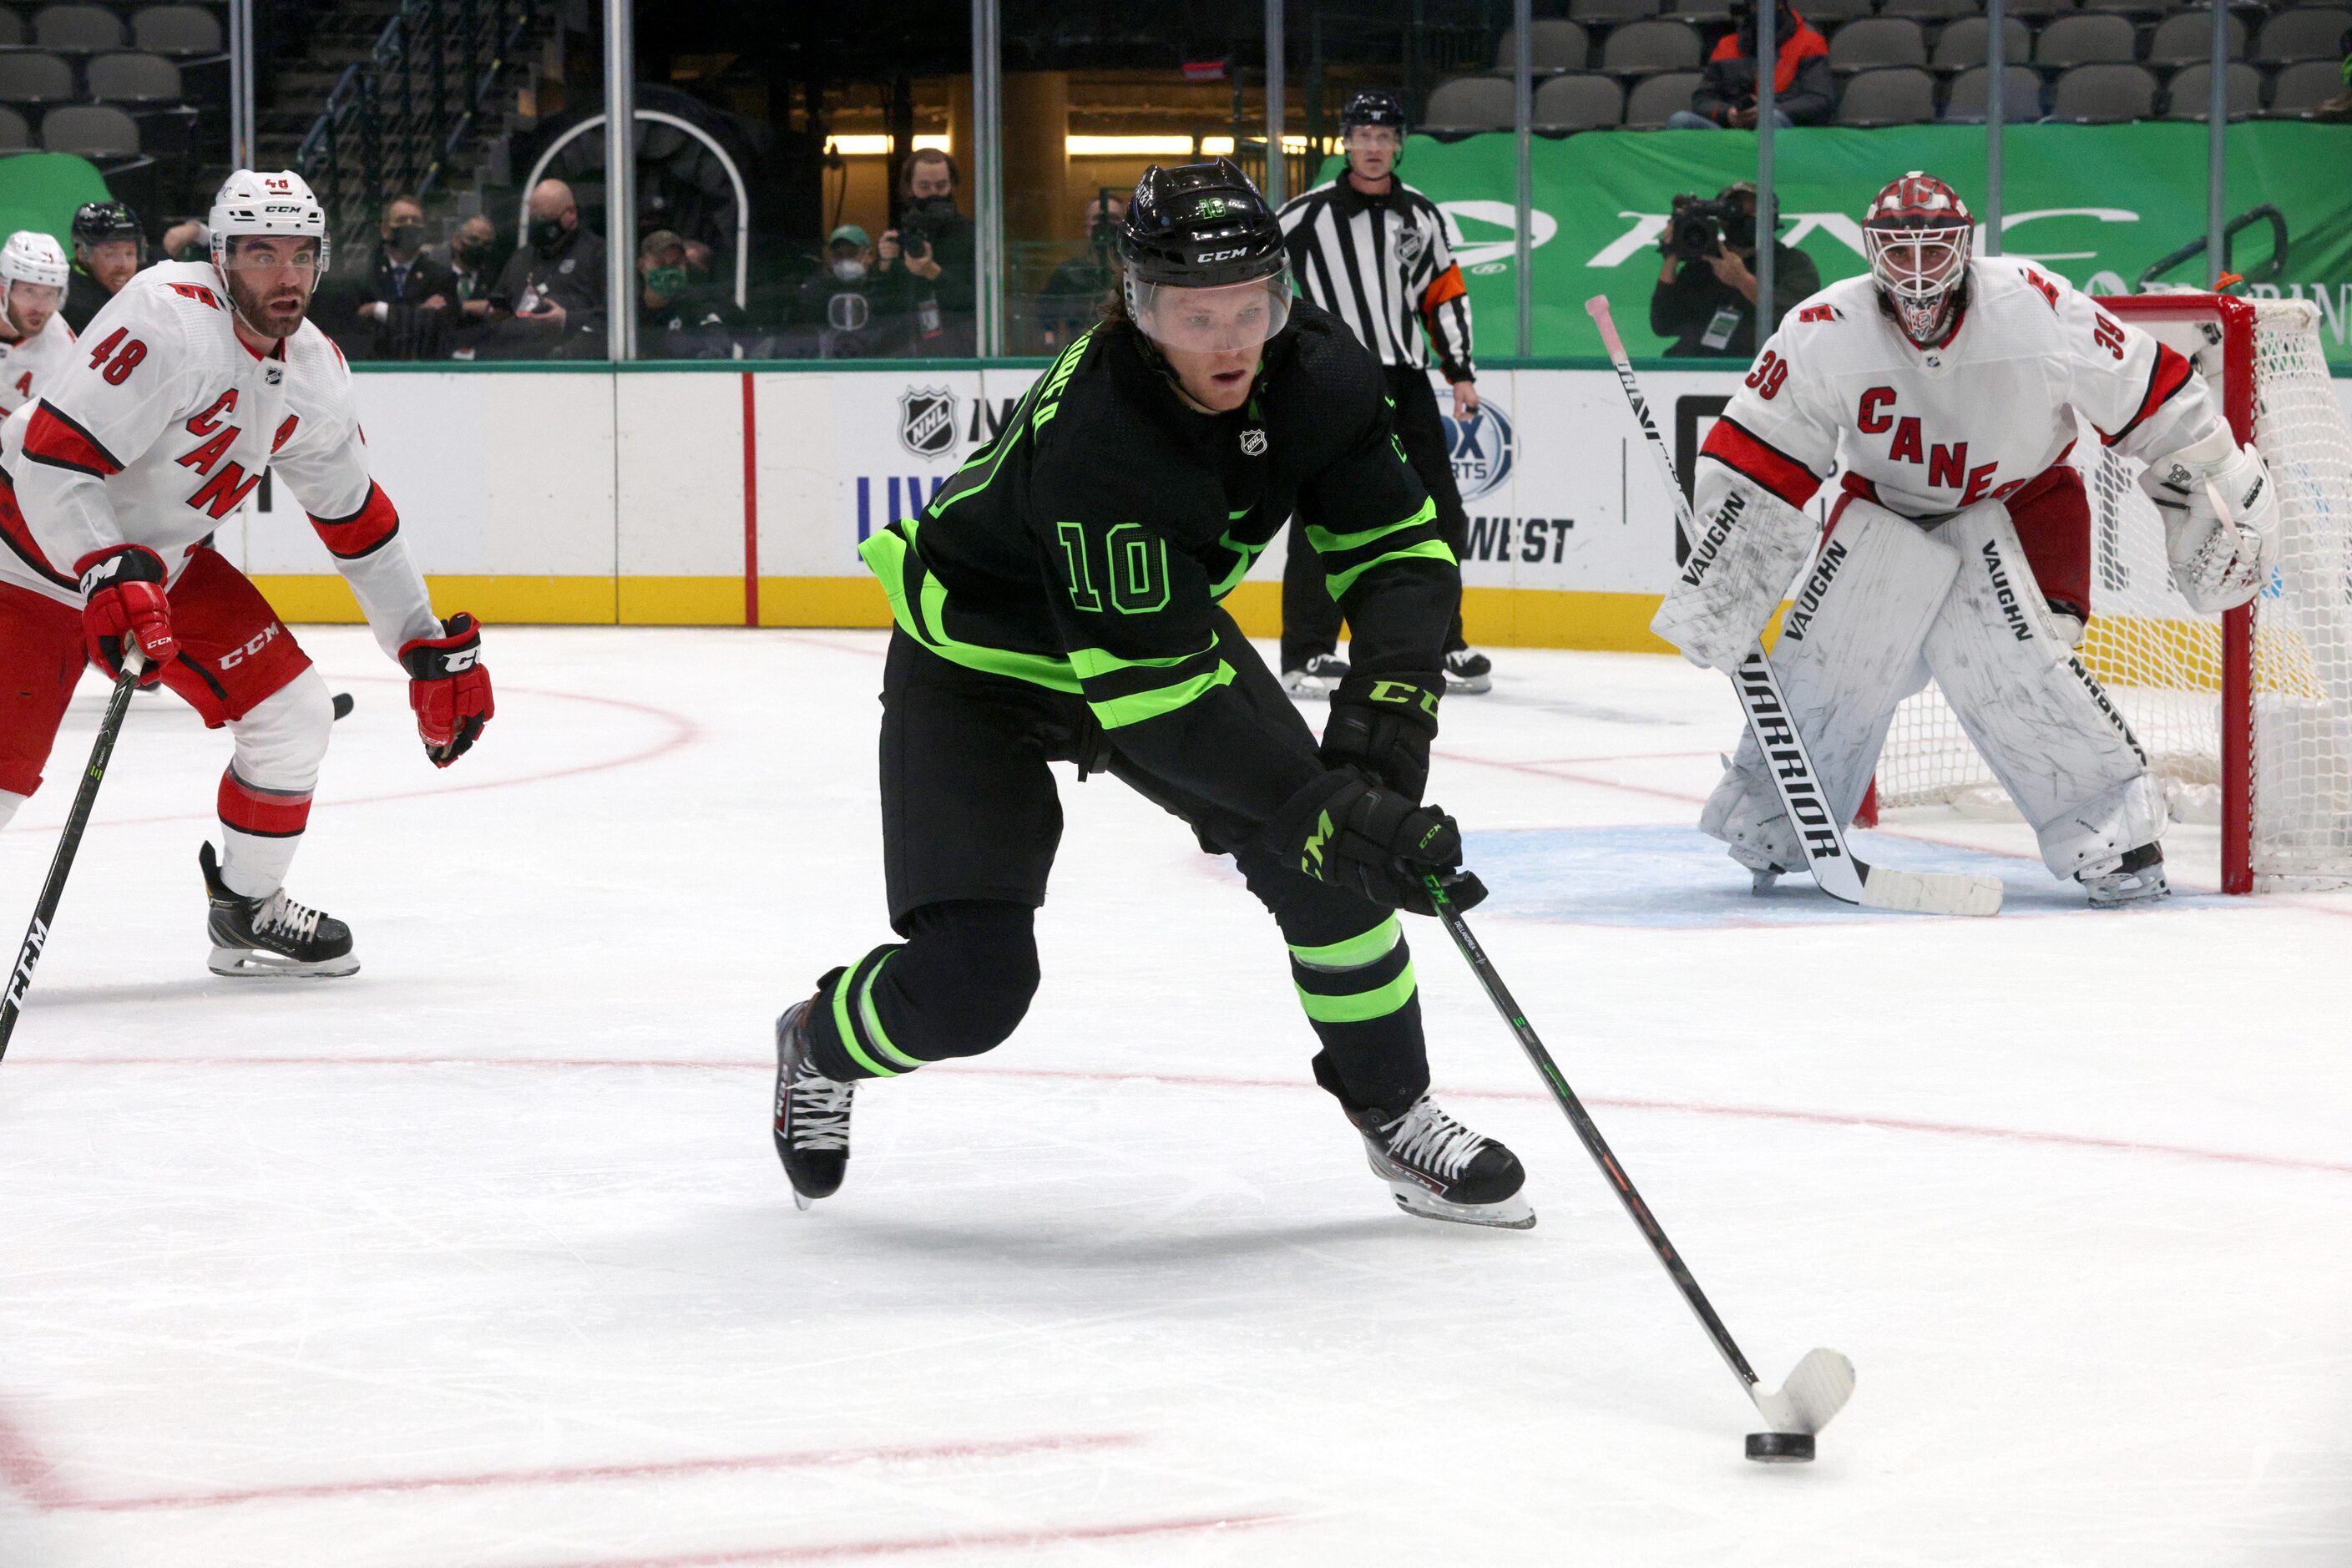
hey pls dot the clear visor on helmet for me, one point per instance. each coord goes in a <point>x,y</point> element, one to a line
<point>1230,319</point>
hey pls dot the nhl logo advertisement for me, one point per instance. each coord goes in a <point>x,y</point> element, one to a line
<point>898,435</point>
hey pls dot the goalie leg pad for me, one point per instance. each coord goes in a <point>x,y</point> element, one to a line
<point>2046,728</point>
<point>1849,653</point>
<point>1749,545</point>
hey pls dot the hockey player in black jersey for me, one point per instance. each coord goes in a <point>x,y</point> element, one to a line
<point>1059,600</point>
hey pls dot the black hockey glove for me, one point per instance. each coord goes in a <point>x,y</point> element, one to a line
<point>1383,724</point>
<point>1347,831</point>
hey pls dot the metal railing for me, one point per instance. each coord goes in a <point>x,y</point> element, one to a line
<point>395,120</point>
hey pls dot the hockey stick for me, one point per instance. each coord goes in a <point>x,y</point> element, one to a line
<point>1841,874</point>
<point>37,935</point>
<point>1820,1384</point>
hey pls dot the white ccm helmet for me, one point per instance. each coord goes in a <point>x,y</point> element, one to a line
<point>281,203</point>
<point>32,257</point>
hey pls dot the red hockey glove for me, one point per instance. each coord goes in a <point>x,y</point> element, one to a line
<point>123,599</point>
<point>448,688</point>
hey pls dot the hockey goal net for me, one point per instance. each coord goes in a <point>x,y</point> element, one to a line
<point>2246,717</point>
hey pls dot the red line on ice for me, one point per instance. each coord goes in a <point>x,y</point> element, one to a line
<point>24,1471</point>
<point>986,1449</point>
<point>1684,1107</point>
<point>970,1540</point>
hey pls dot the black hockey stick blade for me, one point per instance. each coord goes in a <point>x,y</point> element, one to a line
<point>45,912</point>
<point>1822,1381</point>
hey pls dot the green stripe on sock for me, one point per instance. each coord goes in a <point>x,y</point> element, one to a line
<point>874,1031</point>
<point>849,1031</point>
<point>1363,1005</point>
<point>1355,951</point>
<point>1428,550</point>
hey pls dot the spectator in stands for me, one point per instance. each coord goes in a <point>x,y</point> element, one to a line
<point>108,247</point>
<point>1707,303</point>
<point>676,319</point>
<point>926,262</point>
<point>469,256</point>
<point>839,302</point>
<point>549,301</point>
<point>1725,98</point>
<point>188,240</point>
<point>405,300</point>
<point>1072,298</point>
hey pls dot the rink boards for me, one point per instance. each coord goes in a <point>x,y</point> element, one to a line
<point>676,496</point>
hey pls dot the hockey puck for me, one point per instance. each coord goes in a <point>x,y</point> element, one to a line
<point>1780,1447</point>
<point>343,704</point>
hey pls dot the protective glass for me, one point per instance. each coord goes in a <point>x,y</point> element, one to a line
<point>1371,137</point>
<point>1919,268</point>
<point>1226,319</point>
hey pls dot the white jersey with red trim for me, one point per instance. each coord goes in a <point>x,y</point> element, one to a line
<point>28,365</point>
<point>1928,432</point>
<point>162,422</point>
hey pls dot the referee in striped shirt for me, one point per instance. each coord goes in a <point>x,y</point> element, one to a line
<point>1372,250</point>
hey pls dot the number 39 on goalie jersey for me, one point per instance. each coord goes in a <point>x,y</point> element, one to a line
<point>1928,432</point>
<point>162,423</point>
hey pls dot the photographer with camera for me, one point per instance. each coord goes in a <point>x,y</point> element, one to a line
<point>1725,100</point>
<point>926,262</point>
<point>1071,300</point>
<point>1706,297</point>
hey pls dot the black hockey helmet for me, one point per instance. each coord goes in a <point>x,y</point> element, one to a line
<point>95,223</point>
<point>1369,108</point>
<point>1200,227</point>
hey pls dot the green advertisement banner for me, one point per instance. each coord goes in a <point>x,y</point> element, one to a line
<point>2097,203</point>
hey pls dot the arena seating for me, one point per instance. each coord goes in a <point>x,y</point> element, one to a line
<point>2079,61</point>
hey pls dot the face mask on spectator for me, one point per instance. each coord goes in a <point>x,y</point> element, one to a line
<point>408,236</point>
<point>547,233</point>
<point>666,281</point>
<point>849,269</point>
<point>936,206</point>
<point>470,251</point>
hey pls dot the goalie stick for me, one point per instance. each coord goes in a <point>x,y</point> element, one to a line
<point>1839,873</point>
<point>1819,1387</point>
<point>37,935</point>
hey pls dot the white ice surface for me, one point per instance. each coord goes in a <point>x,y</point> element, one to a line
<point>481,1258</point>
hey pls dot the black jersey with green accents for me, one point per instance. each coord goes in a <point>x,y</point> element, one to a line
<point>1086,548</point>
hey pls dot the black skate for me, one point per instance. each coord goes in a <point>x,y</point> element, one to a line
<point>811,1113</point>
<point>1439,1168</point>
<point>273,936</point>
<point>1468,672</point>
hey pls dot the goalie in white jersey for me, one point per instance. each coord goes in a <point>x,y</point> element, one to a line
<point>192,381</point>
<point>35,344</point>
<point>1950,391</point>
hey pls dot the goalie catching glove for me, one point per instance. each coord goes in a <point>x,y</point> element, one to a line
<point>1347,831</point>
<point>2221,521</point>
<point>448,688</point>
<point>1383,724</point>
<point>1750,546</point>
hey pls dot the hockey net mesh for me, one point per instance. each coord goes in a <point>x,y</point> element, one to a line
<point>2160,661</point>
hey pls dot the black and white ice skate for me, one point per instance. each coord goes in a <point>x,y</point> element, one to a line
<point>1468,672</point>
<point>273,937</point>
<point>1439,1168</point>
<point>811,1113</point>
<point>1318,678</point>
<point>2137,879</point>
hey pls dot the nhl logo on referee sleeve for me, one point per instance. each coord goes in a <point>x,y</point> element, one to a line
<point>927,420</point>
<point>1252,442</point>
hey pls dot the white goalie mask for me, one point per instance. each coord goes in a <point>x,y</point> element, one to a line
<point>1916,235</point>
